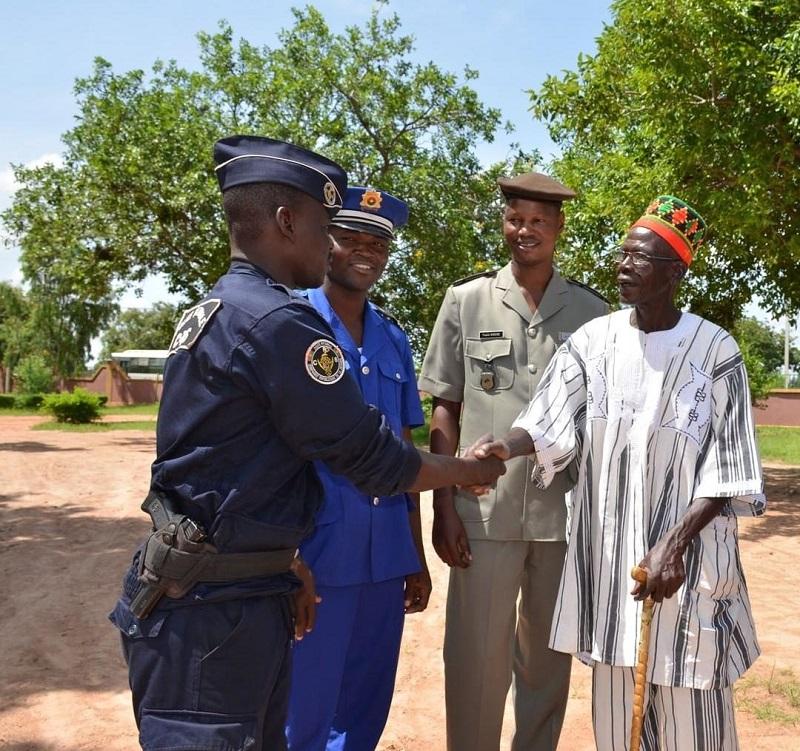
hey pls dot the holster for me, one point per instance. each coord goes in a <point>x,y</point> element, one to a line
<point>181,565</point>
<point>176,557</point>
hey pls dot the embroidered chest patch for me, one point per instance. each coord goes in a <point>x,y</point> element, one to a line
<point>191,325</point>
<point>325,362</point>
<point>692,405</point>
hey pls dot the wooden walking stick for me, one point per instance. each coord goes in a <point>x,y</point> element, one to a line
<point>640,679</point>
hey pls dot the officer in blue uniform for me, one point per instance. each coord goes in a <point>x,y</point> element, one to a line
<point>366,551</point>
<point>254,392</point>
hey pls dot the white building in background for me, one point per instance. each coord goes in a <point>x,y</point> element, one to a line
<point>142,364</point>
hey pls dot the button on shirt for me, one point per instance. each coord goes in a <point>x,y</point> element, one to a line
<point>362,537</point>
<point>242,419</point>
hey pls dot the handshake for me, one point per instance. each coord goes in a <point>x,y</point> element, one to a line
<point>488,456</point>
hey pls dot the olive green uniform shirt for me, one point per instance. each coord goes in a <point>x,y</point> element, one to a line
<point>488,351</point>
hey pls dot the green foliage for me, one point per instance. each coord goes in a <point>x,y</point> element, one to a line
<point>15,334</point>
<point>699,98</point>
<point>80,406</point>
<point>137,192</point>
<point>33,375</point>
<point>140,329</point>
<point>7,401</point>
<point>765,343</point>
<point>758,377</point>
<point>51,321</point>
<point>28,401</point>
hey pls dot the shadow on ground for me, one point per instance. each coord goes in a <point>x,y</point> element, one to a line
<point>36,447</point>
<point>60,574</point>
<point>782,488</point>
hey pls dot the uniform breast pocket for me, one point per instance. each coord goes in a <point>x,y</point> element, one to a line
<point>490,364</point>
<point>391,383</point>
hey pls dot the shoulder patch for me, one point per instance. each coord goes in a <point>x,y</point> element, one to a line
<point>489,273</point>
<point>324,361</point>
<point>588,289</point>
<point>191,325</point>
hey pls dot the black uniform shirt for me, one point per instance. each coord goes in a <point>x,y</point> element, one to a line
<point>254,390</point>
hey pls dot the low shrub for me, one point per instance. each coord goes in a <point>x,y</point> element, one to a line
<point>80,406</point>
<point>33,375</point>
<point>28,401</point>
<point>7,401</point>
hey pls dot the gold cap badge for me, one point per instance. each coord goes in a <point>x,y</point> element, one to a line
<point>371,200</point>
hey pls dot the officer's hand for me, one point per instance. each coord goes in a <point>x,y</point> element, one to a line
<point>450,538</point>
<point>488,467</point>
<point>306,599</point>
<point>418,591</point>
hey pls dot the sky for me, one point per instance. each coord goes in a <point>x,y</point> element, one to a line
<point>47,44</point>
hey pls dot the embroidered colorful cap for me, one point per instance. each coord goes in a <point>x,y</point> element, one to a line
<point>677,223</point>
<point>255,159</point>
<point>535,186</point>
<point>373,211</point>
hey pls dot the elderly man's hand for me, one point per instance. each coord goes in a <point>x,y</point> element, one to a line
<point>665,572</point>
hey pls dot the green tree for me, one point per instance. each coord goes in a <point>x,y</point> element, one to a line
<point>700,98</point>
<point>140,329</point>
<point>765,344</point>
<point>137,193</point>
<point>33,375</point>
<point>15,334</point>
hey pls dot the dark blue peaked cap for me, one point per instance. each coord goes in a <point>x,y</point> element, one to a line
<point>242,160</point>
<point>374,211</point>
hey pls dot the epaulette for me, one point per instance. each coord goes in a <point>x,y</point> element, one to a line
<point>490,272</point>
<point>387,315</point>
<point>589,289</point>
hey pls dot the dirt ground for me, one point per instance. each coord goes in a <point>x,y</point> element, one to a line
<point>69,518</point>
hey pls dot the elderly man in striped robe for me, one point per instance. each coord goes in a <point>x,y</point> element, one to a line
<point>648,408</point>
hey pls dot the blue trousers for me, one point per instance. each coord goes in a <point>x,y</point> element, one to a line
<point>212,676</point>
<point>343,671</point>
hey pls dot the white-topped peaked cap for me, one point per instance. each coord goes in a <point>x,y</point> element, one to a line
<point>374,211</point>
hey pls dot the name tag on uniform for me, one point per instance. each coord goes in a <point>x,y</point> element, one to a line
<point>491,334</point>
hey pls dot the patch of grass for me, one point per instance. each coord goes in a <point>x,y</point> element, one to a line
<point>96,427</point>
<point>779,444</point>
<point>134,409</point>
<point>775,699</point>
<point>19,412</point>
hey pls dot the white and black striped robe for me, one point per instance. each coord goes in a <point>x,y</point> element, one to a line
<point>653,421</point>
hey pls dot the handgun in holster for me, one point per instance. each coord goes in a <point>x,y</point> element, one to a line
<point>171,560</point>
<point>177,556</point>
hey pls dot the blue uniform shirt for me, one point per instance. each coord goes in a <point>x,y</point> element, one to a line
<point>363,537</point>
<point>242,419</point>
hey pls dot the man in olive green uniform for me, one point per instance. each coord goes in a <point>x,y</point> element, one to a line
<point>492,340</point>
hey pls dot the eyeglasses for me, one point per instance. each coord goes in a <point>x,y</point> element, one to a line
<point>639,260</point>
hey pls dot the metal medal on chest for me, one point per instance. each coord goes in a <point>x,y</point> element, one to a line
<point>487,380</point>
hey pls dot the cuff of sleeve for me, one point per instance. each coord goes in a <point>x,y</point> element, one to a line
<point>746,500</point>
<point>412,462</point>
<point>441,390</point>
<point>543,468</point>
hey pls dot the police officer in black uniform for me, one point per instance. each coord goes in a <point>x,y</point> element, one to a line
<point>253,392</point>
